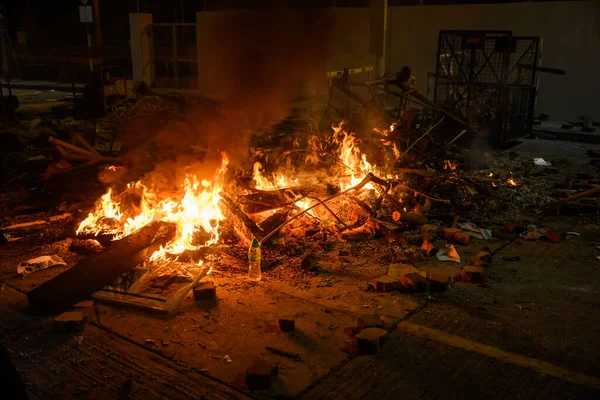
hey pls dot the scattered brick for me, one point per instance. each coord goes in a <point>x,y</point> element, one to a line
<point>450,232</point>
<point>287,324</point>
<point>554,237</point>
<point>205,291</point>
<point>438,282</point>
<point>387,283</point>
<point>473,274</point>
<point>370,321</point>
<point>462,238</point>
<point>370,340</point>
<point>513,228</point>
<point>428,247</point>
<point>69,322</point>
<point>261,374</point>
<point>414,282</point>
<point>398,269</point>
<point>484,256</point>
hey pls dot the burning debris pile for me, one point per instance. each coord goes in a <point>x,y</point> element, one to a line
<point>296,192</point>
<point>329,185</point>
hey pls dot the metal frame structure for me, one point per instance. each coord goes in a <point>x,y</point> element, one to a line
<point>479,74</point>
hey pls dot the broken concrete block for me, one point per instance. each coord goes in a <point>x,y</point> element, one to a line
<point>387,283</point>
<point>370,321</point>
<point>399,269</point>
<point>473,274</point>
<point>450,232</point>
<point>370,340</point>
<point>414,282</point>
<point>310,262</point>
<point>261,374</point>
<point>287,324</point>
<point>438,282</point>
<point>462,238</point>
<point>69,322</point>
<point>484,256</point>
<point>205,291</point>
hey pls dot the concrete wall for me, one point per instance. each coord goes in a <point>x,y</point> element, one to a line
<point>344,33</point>
<point>571,41</point>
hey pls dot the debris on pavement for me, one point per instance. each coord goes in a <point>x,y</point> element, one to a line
<point>450,254</point>
<point>39,263</point>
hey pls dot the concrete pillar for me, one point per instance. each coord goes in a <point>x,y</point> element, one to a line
<point>142,62</point>
<point>378,34</point>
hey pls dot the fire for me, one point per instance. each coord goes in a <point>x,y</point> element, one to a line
<point>491,174</point>
<point>195,211</point>
<point>450,166</point>
<point>351,157</point>
<point>279,181</point>
<point>512,182</point>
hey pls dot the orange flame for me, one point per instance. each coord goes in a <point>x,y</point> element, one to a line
<point>512,182</point>
<point>196,213</point>
<point>450,166</point>
<point>351,156</point>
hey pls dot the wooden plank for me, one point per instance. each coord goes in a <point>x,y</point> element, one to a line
<point>102,365</point>
<point>99,270</point>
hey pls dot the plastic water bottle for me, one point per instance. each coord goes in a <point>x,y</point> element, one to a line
<point>254,273</point>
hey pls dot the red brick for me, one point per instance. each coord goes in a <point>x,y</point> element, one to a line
<point>386,284</point>
<point>370,340</point>
<point>438,282</point>
<point>205,291</point>
<point>473,274</point>
<point>484,256</point>
<point>287,324</point>
<point>261,374</point>
<point>450,232</point>
<point>370,321</point>
<point>462,238</point>
<point>427,247</point>
<point>414,282</point>
<point>554,237</point>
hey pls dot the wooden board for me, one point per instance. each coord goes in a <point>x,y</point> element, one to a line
<point>99,270</point>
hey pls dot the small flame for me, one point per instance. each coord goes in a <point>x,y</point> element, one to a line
<point>512,182</point>
<point>491,174</point>
<point>450,166</point>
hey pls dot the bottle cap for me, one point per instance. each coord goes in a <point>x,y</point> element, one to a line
<point>255,243</point>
